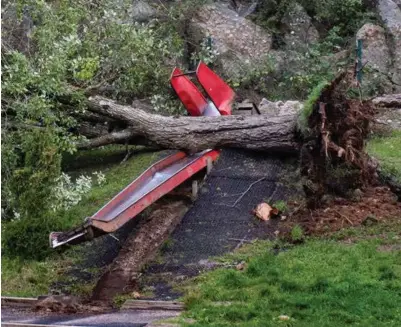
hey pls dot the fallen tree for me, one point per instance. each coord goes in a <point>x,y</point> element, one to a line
<point>329,135</point>
<point>262,133</point>
<point>107,122</point>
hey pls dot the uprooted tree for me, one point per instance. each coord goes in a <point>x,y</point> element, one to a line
<point>329,134</point>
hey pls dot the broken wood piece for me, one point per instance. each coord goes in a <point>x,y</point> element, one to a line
<point>152,305</point>
<point>264,211</point>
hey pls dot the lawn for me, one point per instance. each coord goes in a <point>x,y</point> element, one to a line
<point>33,278</point>
<point>352,279</point>
<point>387,149</point>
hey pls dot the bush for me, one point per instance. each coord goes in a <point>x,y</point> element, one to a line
<point>29,238</point>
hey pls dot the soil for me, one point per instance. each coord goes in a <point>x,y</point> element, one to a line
<point>140,248</point>
<point>376,204</point>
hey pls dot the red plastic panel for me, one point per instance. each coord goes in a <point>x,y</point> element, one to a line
<point>190,96</point>
<point>221,94</point>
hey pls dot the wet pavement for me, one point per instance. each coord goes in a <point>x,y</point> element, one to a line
<point>126,318</point>
<point>220,217</point>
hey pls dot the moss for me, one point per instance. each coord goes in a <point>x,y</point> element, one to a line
<point>303,118</point>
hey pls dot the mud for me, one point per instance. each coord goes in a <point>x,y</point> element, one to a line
<point>140,248</point>
<point>375,204</point>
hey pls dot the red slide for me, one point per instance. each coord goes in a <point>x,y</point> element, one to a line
<point>163,176</point>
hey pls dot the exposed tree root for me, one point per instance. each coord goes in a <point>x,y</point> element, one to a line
<point>333,158</point>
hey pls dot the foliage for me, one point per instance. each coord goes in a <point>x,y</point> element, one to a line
<point>281,205</point>
<point>252,76</point>
<point>29,184</point>
<point>344,15</point>
<point>167,104</point>
<point>207,53</point>
<point>298,70</point>
<point>387,149</point>
<point>28,238</point>
<point>73,46</point>
<point>27,278</point>
<point>68,193</point>
<point>318,283</point>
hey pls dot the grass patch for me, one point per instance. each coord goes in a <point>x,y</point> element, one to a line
<point>387,149</point>
<point>27,278</point>
<point>32,278</point>
<point>318,283</point>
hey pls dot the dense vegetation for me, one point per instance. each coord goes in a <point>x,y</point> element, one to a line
<point>75,47</point>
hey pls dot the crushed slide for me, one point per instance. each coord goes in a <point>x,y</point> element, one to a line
<point>165,175</point>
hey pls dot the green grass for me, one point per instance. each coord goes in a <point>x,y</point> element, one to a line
<point>318,283</point>
<point>33,278</point>
<point>27,278</point>
<point>387,149</point>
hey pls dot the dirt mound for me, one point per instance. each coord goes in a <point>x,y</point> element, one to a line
<point>140,248</point>
<point>65,304</point>
<point>375,204</point>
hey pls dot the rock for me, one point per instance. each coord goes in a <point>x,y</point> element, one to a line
<point>375,50</point>
<point>283,317</point>
<point>299,28</point>
<point>16,32</point>
<point>141,11</point>
<point>238,41</point>
<point>388,100</point>
<point>240,266</point>
<point>279,108</point>
<point>390,13</point>
<point>377,57</point>
<point>59,303</point>
<point>264,211</point>
<point>389,111</point>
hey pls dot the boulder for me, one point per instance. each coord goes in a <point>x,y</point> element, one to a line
<point>239,42</point>
<point>299,28</point>
<point>376,56</point>
<point>375,50</point>
<point>141,11</point>
<point>390,13</point>
<point>279,108</point>
<point>16,30</point>
<point>388,111</point>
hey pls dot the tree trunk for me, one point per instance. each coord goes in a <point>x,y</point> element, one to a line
<point>261,133</point>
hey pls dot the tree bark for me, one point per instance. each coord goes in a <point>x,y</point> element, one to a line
<point>261,133</point>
